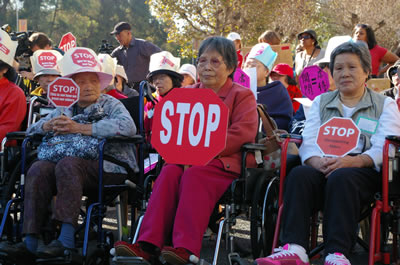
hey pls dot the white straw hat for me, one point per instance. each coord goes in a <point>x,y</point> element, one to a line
<point>332,44</point>
<point>119,70</point>
<point>7,48</point>
<point>188,69</point>
<point>44,62</point>
<point>233,36</point>
<point>108,65</point>
<point>164,63</point>
<point>81,60</point>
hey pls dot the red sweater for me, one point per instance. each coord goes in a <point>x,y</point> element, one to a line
<point>12,107</point>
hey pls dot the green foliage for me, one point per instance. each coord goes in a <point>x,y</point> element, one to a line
<point>91,21</point>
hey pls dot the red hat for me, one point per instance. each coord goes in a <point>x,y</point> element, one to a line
<point>283,69</point>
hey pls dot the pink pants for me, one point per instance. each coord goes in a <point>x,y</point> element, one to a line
<point>182,203</point>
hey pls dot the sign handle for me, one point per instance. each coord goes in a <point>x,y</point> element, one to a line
<point>62,110</point>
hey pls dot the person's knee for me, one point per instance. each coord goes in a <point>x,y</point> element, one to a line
<point>170,174</point>
<point>340,177</point>
<point>67,166</point>
<point>38,173</point>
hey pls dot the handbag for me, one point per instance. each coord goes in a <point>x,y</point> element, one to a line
<point>269,137</point>
<point>55,148</point>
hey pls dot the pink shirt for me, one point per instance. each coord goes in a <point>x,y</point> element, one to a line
<point>376,57</point>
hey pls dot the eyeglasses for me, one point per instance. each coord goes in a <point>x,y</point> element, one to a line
<point>306,37</point>
<point>214,62</point>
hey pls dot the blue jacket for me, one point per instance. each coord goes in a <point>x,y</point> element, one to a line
<point>279,105</point>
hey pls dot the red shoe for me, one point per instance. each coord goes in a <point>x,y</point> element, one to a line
<point>176,256</point>
<point>125,249</point>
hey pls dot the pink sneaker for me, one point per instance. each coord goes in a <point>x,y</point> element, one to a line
<point>285,255</point>
<point>336,259</point>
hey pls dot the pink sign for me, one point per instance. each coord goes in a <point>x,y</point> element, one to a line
<point>241,78</point>
<point>313,81</point>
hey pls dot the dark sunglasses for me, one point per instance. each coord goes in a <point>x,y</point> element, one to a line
<point>393,71</point>
<point>306,37</point>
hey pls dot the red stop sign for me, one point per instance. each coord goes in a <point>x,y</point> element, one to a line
<point>338,136</point>
<point>47,60</point>
<point>63,92</point>
<point>83,58</point>
<point>67,42</point>
<point>190,126</point>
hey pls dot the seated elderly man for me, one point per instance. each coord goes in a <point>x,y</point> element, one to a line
<point>68,177</point>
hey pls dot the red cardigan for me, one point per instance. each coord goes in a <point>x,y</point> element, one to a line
<point>242,123</point>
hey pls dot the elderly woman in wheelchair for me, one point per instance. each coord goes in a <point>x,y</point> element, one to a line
<point>184,197</point>
<point>67,175</point>
<point>340,186</point>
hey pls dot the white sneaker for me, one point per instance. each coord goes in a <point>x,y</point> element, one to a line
<point>336,259</point>
<point>288,254</point>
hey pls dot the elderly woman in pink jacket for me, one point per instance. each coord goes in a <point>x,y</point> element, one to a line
<point>183,200</point>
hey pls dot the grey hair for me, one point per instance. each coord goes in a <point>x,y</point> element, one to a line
<point>359,48</point>
<point>224,47</point>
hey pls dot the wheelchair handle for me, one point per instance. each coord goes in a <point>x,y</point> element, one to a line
<point>130,184</point>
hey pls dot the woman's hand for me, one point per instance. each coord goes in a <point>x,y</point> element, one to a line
<point>64,125</point>
<point>328,164</point>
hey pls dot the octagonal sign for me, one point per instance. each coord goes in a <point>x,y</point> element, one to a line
<point>47,60</point>
<point>338,136</point>
<point>67,42</point>
<point>313,81</point>
<point>63,92</point>
<point>190,126</point>
<point>83,58</point>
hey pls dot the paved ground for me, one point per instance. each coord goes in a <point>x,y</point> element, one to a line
<point>242,242</point>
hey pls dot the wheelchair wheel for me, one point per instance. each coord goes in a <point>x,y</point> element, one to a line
<point>263,215</point>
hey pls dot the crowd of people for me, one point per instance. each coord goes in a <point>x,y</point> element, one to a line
<point>184,196</point>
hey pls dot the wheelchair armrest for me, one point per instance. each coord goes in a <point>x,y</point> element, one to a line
<point>253,147</point>
<point>137,139</point>
<point>19,135</point>
<point>394,138</point>
<point>292,136</point>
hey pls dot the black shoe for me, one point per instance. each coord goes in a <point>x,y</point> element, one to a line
<point>16,252</point>
<point>54,249</point>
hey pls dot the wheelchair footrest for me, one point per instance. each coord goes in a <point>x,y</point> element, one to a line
<point>70,257</point>
<point>120,260</point>
<point>4,257</point>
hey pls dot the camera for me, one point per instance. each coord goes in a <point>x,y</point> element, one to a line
<point>105,47</point>
<point>23,51</point>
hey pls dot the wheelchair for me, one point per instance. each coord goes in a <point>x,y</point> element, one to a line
<point>381,243</point>
<point>253,195</point>
<point>10,155</point>
<point>93,241</point>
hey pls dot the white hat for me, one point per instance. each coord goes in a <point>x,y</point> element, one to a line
<point>264,53</point>
<point>44,62</point>
<point>108,64</point>
<point>332,44</point>
<point>7,48</point>
<point>233,36</point>
<point>80,60</point>
<point>188,69</point>
<point>119,70</point>
<point>164,63</point>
